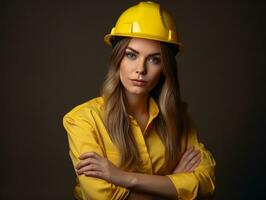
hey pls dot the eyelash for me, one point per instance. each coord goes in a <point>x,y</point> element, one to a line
<point>130,56</point>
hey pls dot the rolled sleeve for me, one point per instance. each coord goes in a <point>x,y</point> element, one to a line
<point>201,182</point>
<point>186,185</point>
<point>82,138</point>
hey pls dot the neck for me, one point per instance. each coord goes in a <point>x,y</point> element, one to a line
<point>137,104</point>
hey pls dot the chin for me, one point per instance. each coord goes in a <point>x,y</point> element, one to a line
<point>137,91</point>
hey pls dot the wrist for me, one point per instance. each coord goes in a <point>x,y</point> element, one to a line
<point>129,180</point>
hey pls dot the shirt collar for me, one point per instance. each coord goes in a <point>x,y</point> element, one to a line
<point>153,107</point>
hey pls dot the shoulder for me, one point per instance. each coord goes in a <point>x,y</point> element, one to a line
<point>86,110</point>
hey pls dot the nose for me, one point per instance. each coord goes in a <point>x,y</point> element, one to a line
<point>141,67</point>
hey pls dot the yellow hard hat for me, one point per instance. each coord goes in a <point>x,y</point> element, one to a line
<point>145,20</point>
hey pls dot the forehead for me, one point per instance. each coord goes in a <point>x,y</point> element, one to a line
<point>145,46</point>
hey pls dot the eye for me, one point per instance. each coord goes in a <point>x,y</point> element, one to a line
<point>155,60</point>
<point>130,55</point>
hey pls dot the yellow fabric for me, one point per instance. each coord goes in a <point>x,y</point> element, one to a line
<point>86,132</point>
<point>200,182</point>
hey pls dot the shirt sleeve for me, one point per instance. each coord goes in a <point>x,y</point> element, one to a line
<point>82,138</point>
<point>200,182</point>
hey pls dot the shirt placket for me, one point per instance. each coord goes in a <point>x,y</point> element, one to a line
<point>140,139</point>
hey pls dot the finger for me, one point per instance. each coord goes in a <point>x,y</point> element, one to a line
<point>96,174</point>
<point>88,155</point>
<point>195,164</point>
<point>88,161</point>
<point>187,152</point>
<point>190,149</point>
<point>187,158</point>
<point>184,159</point>
<point>190,156</point>
<point>193,161</point>
<point>91,167</point>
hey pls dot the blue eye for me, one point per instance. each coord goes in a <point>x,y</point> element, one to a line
<point>131,56</point>
<point>155,60</point>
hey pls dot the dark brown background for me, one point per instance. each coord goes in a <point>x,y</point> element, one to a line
<point>53,58</point>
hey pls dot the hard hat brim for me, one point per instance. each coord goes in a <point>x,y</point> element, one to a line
<point>108,39</point>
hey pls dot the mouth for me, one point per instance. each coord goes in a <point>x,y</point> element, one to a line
<point>137,82</point>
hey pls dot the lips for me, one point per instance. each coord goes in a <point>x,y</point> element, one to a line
<point>138,82</point>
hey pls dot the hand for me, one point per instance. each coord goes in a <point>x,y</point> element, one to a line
<point>94,165</point>
<point>189,161</point>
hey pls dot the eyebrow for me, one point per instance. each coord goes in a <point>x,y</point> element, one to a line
<point>153,54</point>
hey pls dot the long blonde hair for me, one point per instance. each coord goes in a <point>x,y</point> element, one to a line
<point>166,93</point>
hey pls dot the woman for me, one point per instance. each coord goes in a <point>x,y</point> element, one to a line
<point>137,141</point>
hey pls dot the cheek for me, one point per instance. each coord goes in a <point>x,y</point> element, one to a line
<point>155,79</point>
<point>156,76</point>
<point>126,68</point>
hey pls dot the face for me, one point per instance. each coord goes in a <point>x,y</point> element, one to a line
<point>141,66</point>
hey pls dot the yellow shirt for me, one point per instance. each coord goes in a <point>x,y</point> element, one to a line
<point>86,132</point>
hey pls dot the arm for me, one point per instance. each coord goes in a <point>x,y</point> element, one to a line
<point>93,164</point>
<point>187,183</point>
<point>151,184</point>
<point>161,185</point>
<point>82,137</point>
<point>200,182</point>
